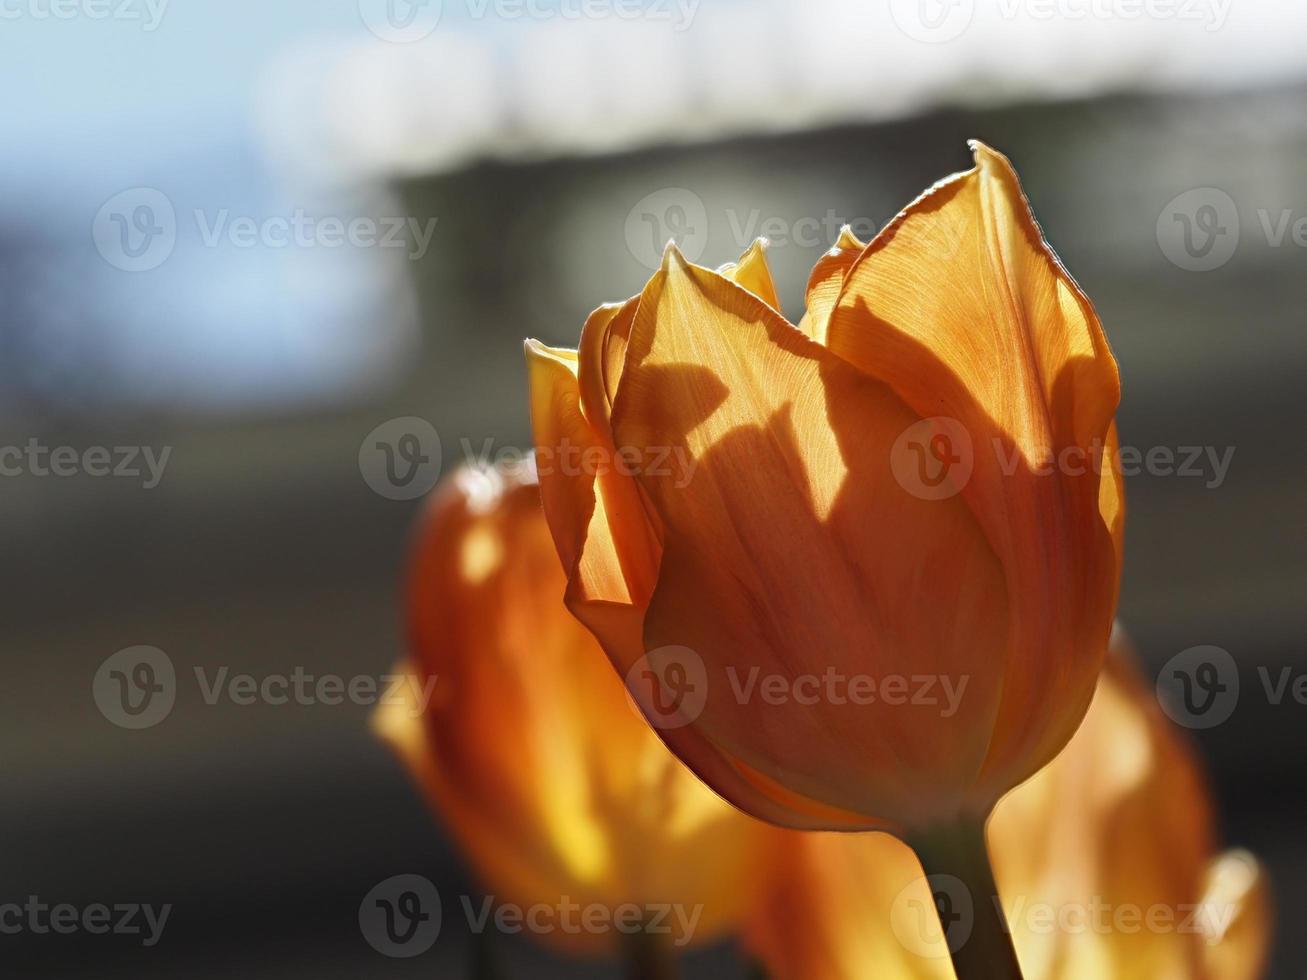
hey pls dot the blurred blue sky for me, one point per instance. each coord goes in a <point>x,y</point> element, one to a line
<point>98,106</point>
<point>103,101</point>
<point>241,109</point>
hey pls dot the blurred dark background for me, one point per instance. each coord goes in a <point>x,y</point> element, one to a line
<point>266,368</point>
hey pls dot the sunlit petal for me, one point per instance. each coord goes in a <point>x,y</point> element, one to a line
<point>826,281</point>
<point>962,308</point>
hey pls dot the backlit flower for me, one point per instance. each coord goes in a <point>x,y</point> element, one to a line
<point>910,483</point>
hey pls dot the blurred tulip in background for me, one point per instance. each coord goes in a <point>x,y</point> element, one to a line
<point>1107,863</point>
<point>540,766</point>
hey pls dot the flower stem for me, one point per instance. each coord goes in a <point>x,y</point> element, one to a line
<point>956,862</point>
<point>649,957</point>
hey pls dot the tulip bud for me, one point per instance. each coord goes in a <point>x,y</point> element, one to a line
<point>913,486</point>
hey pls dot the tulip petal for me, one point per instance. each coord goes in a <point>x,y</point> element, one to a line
<point>964,310</point>
<point>619,507</point>
<point>826,281</point>
<point>566,447</point>
<point>788,505</point>
<point>606,325</point>
<point>753,274</point>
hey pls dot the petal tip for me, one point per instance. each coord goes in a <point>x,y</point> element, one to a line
<point>988,159</point>
<point>537,350</point>
<point>847,241</point>
<point>672,256</point>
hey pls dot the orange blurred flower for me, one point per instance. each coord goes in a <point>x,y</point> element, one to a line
<point>1105,860</point>
<point>555,788</point>
<point>910,483</point>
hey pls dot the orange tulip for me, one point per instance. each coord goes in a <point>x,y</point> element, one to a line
<point>545,774</point>
<point>742,501</point>
<point>913,483</point>
<point>1105,858</point>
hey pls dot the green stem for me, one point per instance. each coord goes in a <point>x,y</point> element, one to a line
<point>649,957</point>
<point>956,862</point>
